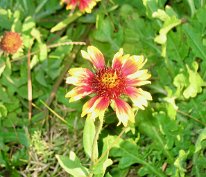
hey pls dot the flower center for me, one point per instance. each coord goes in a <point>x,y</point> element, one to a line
<point>11,42</point>
<point>108,82</point>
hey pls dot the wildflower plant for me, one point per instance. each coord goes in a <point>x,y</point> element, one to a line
<point>107,86</point>
<point>62,114</point>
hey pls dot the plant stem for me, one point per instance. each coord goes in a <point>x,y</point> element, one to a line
<point>66,22</point>
<point>94,155</point>
<point>29,85</point>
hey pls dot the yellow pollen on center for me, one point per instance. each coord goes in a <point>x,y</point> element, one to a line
<point>110,80</point>
<point>11,42</point>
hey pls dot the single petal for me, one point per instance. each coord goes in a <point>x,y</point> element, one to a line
<point>94,56</point>
<point>79,76</point>
<point>80,72</point>
<point>100,108</point>
<point>78,93</point>
<point>133,64</point>
<point>138,96</point>
<point>123,111</point>
<point>138,78</point>
<point>95,107</point>
<point>86,5</point>
<point>117,60</point>
<point>88,105</point>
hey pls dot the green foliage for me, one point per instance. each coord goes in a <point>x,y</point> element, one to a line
<point>130,154</point>
<point>168,138</point>
<point>72,165</point>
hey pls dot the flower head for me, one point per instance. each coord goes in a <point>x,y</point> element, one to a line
<point>83,5</point>
<point>109,84</point>
<point>10,42</point>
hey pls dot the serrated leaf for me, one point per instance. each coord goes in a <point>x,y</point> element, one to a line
<point>72,165</point>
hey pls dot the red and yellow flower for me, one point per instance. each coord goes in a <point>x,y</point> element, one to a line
<point>110,84</point>
<point>83,5</point>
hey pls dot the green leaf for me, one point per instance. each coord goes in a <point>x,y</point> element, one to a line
<point>169,23</point>
<point>20,154</point>
<point>43,52</point>
<point>102,164</point>
<point>152,125</point>
<point>72,165</point>
<point>17,25</point>
<point>177,48</point>
<point>14,136</point>
<point>40,77</point>
<point>180,164</point>
<point>88,136</point>
<point>195,82</point>
<point>129,154</point>
<point>201,138</point>
<point>180,82</point>
<point>151,6</point>
<point>192,6</point>
<point>5,19</point>
<point>3,111</point>
<point>194,39</point>
<point>28,24</point>
<point>104,29</point>
<point>36,34</point>
<point>117,172</point>
<point>2,66</point>
<point>199,159</point>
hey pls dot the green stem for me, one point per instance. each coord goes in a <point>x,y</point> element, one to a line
<point>94,155</point>
<point>66,22</point>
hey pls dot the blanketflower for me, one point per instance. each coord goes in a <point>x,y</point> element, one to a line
<point>83,5</point>
<point>110,84</point>
<point>10,42</point>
